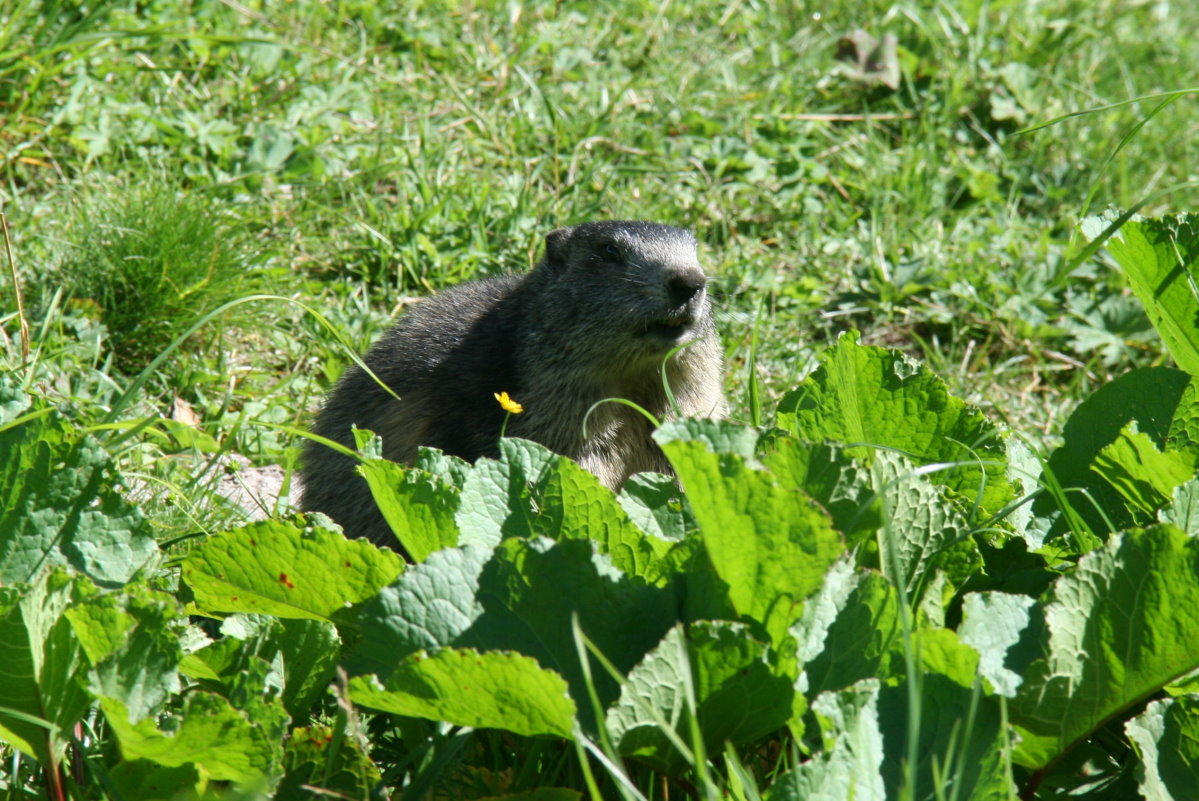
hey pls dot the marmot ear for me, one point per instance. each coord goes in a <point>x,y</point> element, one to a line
<point>555,245</point>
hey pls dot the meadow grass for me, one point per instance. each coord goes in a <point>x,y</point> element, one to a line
<point>358,154</point>
<point>149,261</point>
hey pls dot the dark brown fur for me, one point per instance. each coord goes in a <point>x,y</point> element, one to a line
<point>593,320</point>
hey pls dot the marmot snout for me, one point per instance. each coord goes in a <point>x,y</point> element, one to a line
<point>593,320</point>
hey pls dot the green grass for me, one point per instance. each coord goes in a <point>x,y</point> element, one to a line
<point>354,154</point>
<point>148,261</point>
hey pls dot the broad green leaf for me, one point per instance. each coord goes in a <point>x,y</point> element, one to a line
<point>520,597</point>
<point>1184,427</point>
<point>714,667</point>
<point>61,504</point>
<point>316,756</point>
<point>1161,259</point>
<point>450,469</point>
<point>847,630</point>
<point>850,765</point>
<point>279,568</point>
<point>543,585</point>
<point>923,529</point>
<point>431,605</point>
<point>766,538</point>
<point>1143,475</point>
<point>940,651</point>
<point>1121,625</point>
<point>890,505</point>
<point>1025,472</point>
<point>499,495</point>
<point>877,398</point>
<point>418,505</point>
<point>255,691</point>
<point>993,623</point>
<point>496,690</point>
<point>131,639</point>
<point>304,654</point>
<point>235,738</point>
<point>1183,510</point>
<point>833,478</point>
<point>718,435</point>
<point>223,743</point>
<point>1013,568</point>
<point>41,667</point>
<point>960,748</point>
<point>936,595</point>
<point>1166,736</point>
<point>1150,396</point>
<point>530,491</point>
<point>149,781</point>
<point>655,505</point>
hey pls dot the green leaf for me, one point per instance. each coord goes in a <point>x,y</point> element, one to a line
<point>1184,427</point>
<point>1166,736</point>
<point>959,746</point>
<point>716,672</point>
<point>224,743</point>
<point>1132,608</point>
<point>942,652</point>
<point>418,505</point>
<point>849,766</point>
<point>833,478</point>
<point>655,505</point>
<point>61,504</point>
<point>530,491</point>
<point>304,653</point>
<point>43,667</point>
<point>1183,510</point>
<point>1144,476</point>
<point>1153,398</point>
<point>1025,471</point>
<point>847,630</point>
<point>314,756</point>
<point>431,605</point>
<point>873,397</point>
<point>961,742</point>
<point>993,624</point>
<point>520,597</point>
<point>149,781</point>
<point>131,639</point>
<point>1161,259</point>
<point>278,568</point>
<point>496,690</point>
<point>766,538</point>
<point>452,470</point>
<point>498,499</point>
<point>718,435</point>
<point>923,529</point>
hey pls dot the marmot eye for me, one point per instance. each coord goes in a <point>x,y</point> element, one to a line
<point>612,250</point>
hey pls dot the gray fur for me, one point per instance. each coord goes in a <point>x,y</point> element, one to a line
<point>593,320</point>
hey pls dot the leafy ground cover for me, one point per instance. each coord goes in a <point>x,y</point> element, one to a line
<point>945,548</point>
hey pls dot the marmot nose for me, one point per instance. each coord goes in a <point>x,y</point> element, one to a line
<point>683,286</point>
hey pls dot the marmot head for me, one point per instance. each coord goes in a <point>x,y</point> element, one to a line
<point>638,282</point>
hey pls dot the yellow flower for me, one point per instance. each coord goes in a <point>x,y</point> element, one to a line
<point>509,405</point>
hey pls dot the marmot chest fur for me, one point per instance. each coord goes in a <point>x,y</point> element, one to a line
<point>593,320</point>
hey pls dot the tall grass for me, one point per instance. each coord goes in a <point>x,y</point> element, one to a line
<point>148,261</point>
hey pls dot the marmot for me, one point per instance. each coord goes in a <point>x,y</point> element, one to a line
<point>593,320</point>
